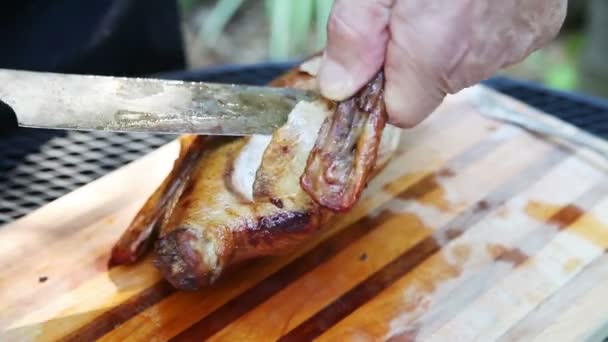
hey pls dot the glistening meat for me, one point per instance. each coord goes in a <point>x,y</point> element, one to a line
<point>227,200</point>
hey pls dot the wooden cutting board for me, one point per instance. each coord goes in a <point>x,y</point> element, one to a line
<point>477,230</point>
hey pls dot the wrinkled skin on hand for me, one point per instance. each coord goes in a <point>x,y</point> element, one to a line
<point>430,48</point>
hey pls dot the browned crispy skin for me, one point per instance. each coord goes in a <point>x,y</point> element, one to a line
<point>213,228</point>
<point>184,254</point>
<point>143,230</point>
<point>345,153</point>
<point>202,226</point>
<point>137,239</point>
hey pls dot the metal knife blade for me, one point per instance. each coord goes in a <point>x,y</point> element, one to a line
<point>85,102</point>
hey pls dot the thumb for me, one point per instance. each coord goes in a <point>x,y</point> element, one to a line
<point>357,35</point>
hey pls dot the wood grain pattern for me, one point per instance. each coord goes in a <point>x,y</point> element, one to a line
<point>475,231</point>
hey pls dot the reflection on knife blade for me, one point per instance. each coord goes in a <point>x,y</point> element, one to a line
<point>49,100</point>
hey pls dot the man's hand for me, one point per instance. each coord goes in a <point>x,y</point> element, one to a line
<point>430,48</point>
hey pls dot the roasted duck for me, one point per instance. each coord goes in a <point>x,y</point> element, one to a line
<point>227,200</point>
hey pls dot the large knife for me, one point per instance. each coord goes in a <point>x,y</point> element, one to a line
<point>84,102</point>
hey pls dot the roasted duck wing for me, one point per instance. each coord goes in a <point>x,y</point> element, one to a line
<point>345,154</point>
<point>232,199</point>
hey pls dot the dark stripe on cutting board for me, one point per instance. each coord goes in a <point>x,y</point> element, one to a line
<point>243,303</point>
<point>475,285</point>
<point>383,278</point>
<point>114,317</point>
<point>581,283</point>
<point>225,315</point>
<point>240,305</point>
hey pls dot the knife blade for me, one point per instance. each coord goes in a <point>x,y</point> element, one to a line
<point>121,104</point>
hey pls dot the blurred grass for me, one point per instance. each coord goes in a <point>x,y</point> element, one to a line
<point>564,75</point>
<point>215,23</point>
<point>556,66</point>
<point>296,28</point>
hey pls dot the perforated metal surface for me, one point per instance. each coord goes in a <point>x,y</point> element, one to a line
<point>39,166</point>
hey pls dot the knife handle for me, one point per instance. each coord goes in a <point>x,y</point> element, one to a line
<point>8,119</point>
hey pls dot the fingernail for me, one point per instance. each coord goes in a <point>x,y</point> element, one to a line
<point>335,81</point>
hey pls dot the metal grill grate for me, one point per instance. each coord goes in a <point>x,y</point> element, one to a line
<point>39,166</point>
<point>36,167</point>
<point>588,113</point>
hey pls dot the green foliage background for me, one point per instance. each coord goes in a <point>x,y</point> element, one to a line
<point>295,27</point>
<point>291,23</point>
